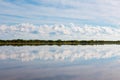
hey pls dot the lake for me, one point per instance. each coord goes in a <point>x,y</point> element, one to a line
<point>82,62</point>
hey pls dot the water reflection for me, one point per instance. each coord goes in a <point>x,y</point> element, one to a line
<point>60,63</point>
<point>71,53</point>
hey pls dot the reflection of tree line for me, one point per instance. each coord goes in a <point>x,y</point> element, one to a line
<point>56,42</point>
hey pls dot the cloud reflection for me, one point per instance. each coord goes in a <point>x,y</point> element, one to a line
<point>56,53</point>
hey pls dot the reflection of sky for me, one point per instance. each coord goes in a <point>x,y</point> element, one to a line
<point>60,63</point>
<point>55,53</point>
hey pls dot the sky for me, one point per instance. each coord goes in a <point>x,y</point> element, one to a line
<point>60,19</point>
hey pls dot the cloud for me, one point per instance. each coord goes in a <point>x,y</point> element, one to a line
<point>59,31</point>
<point>103,12</point>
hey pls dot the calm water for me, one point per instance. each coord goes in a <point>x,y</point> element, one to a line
<point>100,62</point>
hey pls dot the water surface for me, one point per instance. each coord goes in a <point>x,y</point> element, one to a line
<point>98,62</point>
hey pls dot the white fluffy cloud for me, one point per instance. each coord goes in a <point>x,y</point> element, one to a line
<point>64,32</point>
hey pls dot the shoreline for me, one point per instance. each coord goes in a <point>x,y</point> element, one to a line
<point>57,42</point>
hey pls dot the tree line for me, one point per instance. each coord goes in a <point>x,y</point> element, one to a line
<point>56,42</point>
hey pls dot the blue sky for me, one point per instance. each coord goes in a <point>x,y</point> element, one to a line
<point>66,12</point>
<point>95,12</point>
